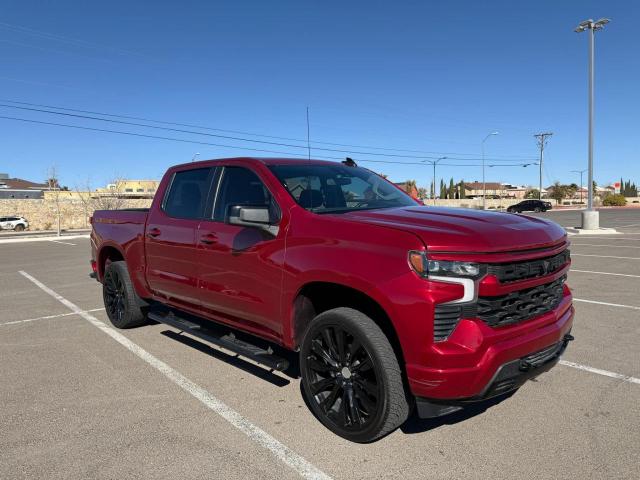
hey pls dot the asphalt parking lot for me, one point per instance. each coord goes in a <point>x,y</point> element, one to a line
<point>79,401</point>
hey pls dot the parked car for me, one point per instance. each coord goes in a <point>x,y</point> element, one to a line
<point>530,206</point>
<point>14,223</point>
<point>390,304</point>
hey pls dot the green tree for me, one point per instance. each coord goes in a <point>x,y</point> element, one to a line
<point>531,193</point>
<point>463,193</point>
<point>443,191</point>
<point>558,192</point>
<point>452,189</point>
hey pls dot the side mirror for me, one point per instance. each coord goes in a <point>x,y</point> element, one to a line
<point>252,216</point>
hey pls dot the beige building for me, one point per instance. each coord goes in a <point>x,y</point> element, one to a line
<point>131,188</point>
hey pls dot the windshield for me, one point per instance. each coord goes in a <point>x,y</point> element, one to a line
<point>338,188</point>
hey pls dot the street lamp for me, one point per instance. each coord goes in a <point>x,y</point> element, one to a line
<point>590,216</point>
<point>433,186</point>
<point>580,172</point>
<point>484,185</point>
<point>194,157</point>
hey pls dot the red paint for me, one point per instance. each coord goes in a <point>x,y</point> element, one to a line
<point>254,288</point>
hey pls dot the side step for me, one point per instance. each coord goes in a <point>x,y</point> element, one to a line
<point>229,341</point>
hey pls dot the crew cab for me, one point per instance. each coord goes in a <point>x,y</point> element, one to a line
<point>390,305</point>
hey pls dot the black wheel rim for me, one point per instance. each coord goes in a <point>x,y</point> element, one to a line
<point>342,379</point>
<point>114,295</point>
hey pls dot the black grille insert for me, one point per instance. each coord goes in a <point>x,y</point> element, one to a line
<point>511,272</point>
<point>521,305</point>
<point>447,317</point>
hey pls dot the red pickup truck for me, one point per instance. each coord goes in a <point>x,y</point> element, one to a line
<point>391,305</point>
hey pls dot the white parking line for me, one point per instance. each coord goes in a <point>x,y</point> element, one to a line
<point>256,434</point>
<point>606,373</point>
<point>48,238</point>
<point>603,245</point>
<point>15,322</point>
<point>65,243</point>
<point>622,237</point>
<point>606,273</point>
<point>602,256</point>
<point>606,303</point>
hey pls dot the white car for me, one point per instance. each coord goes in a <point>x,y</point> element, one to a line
<point>14,223</point>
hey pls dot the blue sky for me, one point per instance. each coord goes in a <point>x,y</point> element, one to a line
<point>426,76</point>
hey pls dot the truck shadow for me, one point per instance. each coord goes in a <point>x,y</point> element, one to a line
<point>232,359</point>
<point>419,425</point>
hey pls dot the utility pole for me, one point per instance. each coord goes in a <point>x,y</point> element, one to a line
<point>435,162</point>
<point>542,141</point>
<point>590,217</point>
<point>308,136</point>
<point>580,172</point>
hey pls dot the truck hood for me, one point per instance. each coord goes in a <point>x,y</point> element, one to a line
<point>466,230</point>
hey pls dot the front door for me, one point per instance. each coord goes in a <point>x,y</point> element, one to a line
<point>241,267</point>
<point>172,262</point>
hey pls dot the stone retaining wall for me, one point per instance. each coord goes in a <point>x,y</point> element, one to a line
<point>42,214</point>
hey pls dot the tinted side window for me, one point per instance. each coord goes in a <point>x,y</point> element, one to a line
<point>239,186</point>
<point>187,194</point>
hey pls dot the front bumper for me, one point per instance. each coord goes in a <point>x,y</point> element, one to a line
<point>509,377</point>
<point>466,364</point>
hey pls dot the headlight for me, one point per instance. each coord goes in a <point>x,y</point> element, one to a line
<point>463,273</point>
<point>455,269</point>
<point>441,268</point>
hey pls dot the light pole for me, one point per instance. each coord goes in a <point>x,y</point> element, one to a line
<point>590,216</point>
<point>484,185</point>
<point>194,157</point>
<point>580,172</point>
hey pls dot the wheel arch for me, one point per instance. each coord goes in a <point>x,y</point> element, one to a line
<point>319,296</point>
<point>108,253</point>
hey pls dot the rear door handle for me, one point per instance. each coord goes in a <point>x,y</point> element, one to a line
<point>209,238</point>
<point>154,232</point>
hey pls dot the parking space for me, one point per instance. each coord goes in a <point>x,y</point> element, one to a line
<point>80,402</point>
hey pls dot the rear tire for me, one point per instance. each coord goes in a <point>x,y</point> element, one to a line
<point>120,299</point>
<point>19,228</point>
<point>537,210</point>
<point>351,378</point>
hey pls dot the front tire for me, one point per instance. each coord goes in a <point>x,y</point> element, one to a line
<point>351,377</point>
<point>537,210</point>
<point>120,298</point>
<point>19,228</point>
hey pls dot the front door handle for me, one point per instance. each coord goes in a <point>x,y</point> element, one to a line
<point>154,232</point>
<point>209,238</point>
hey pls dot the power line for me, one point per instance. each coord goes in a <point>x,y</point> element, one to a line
<point>227,137</point>
<point>507,158</point>
<point>158,137</point>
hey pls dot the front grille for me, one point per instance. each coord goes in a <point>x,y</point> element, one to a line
<point>511,272</point>
<point>521,305</point>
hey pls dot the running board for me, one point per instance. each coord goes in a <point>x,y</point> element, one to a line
<point>229,341</point>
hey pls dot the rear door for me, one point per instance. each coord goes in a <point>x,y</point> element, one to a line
<point>241,267</point>
<point>170,244</point>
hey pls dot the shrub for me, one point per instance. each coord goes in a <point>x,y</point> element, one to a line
<point>615,200</point>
